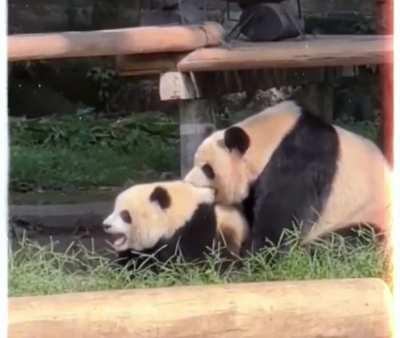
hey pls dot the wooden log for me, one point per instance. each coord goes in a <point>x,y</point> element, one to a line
<point>356,308</point>
<point>386,132</point>
<point>139,40</point>
<point>319,51</point>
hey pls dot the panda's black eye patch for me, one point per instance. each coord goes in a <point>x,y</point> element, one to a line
<point>126,216</point>
<point>208,171</point>
<point>161,196</point>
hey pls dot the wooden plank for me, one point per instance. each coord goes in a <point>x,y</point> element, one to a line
<point>136,65</point>
<point>356,308</point>
<point>318,51</point>
<point>139,40</point>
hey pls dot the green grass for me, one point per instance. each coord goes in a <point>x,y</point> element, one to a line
<point>61,168</point>
<point>35,270</point>
<point>84,151</point>
<point>74,152</point>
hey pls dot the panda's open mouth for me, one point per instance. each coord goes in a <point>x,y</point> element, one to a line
<point>118,239</point>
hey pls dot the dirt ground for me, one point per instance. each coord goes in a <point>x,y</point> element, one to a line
<point>62,225</point>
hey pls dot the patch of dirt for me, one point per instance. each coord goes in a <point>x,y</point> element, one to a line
<point>61,225</point>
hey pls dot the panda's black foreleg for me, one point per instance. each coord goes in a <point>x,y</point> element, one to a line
<point>282,210</point>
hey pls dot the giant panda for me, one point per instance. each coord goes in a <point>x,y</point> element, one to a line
<point>166,218</point>
<point>287,167</point>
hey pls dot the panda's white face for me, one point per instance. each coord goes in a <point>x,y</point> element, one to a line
<point>147,213</point>
<point>223,169</point>
<point>115,225</point>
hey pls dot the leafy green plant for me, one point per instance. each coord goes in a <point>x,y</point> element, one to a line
<point>367,128</point>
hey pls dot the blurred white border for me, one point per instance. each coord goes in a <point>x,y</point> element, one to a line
<point>3,169</point>
<point>396,190</point>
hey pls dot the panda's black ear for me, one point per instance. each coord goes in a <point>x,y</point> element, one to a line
<point>161,196</point>
<point>237,139</point>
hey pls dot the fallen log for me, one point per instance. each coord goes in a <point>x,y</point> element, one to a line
<point>356,308</point>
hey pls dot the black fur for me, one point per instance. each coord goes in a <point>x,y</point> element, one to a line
<point>190,241</point>
<point>161,196</point>
<point>237,139</point>
<point>296,182</point>
<point>208,171</point>
<point>126,216</point>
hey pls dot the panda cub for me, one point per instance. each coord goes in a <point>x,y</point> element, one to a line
<point>286,166</point>
<point>165,218</point>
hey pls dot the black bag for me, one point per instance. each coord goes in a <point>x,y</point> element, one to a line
<point>269,21</point>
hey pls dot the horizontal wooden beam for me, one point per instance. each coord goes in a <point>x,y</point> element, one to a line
<point>139,40</point>
<point>314,51</point>
<point>356,308</point>
<point>137,65</point>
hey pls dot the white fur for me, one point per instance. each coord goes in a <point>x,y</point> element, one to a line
<point>361,191</point>
<point>150,222</point>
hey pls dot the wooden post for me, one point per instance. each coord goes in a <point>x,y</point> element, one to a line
<point>387,124</point>
<point>318,99</point>
<point>356,308</point>
<point>385,15</point>
<point>196,114</point>
<point>195,125</point>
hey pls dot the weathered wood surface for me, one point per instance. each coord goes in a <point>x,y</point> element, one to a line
<point>139,40</point>
<point>143,64</point>
<point>315,51</point>
<point>356,308</point>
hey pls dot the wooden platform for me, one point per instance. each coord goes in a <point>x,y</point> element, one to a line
<point>313,51</point>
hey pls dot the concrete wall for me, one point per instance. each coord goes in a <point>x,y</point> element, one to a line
<point>31,16</point>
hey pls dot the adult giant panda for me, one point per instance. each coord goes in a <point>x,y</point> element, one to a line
<point>288,167</point>
<point>160,218</point>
